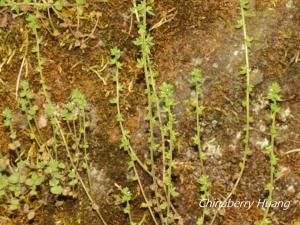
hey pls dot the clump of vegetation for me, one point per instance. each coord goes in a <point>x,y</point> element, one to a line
<point>58,9</point>
<point>125,143</point>
<point>42,165</point>
<point>158,105</point>
<point>69,124</point>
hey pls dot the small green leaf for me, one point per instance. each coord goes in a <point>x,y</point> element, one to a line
<point>72,174</point>
<point>14,178</point>
<point>14,204</point>
<point>58,5</point>
<point>243,70</point>
<point>113,101</point>
<point>57,190</point>
<point>239,24</point>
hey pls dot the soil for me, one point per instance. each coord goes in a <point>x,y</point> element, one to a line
<point>201,34</point>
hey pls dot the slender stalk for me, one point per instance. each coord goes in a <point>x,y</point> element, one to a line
<point>125,133</point>
<point>34,27</point>
<point>85,147</point>
<point>94,205</point>
<point>273,97</point>
<point>243,7</point>
<point>272,170</point>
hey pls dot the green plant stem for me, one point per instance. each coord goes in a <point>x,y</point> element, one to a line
<point>150,83</point>
<point>198,128</point>
<point>45,93</point>
<point>152,97</point>
<point>158,114</point>
<point>171,149</point>
<point>148,90</point>
<point>247,127</point>
<point>131,153</point>
<point>33,133</point>
<point>148,74</point>
<point>94,205</point>
<point>272,171</point>
<point>85,151</point>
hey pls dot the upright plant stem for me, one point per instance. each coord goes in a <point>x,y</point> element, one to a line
<point>247,105</point>
<point>272,171</point>
<point>48,100</point>
<point>154,112</point>
<point>95,207</point>
<point>273,97</point>
<point>132,154</point>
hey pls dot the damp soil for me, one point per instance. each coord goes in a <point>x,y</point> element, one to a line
<point>200,34</point>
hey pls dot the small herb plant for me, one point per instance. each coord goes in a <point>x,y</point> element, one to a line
<point>274,98</point>
<point>158,105</point>
<point>244,71</point>
<point>203,179</point>
<point>168,102</point>
<point>126,199</point>
<point>125,142</point>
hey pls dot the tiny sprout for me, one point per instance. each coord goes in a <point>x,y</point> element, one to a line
<point>249,41</point>
<point>141,7</point>
<point>126,194</point>
<point>120,118</point>
<point>243,70</point>
<point>166,91</point>
<point>24,85</point>
<point>25,100</point>
<point>54,168</point>
<point>3,184</point>
<point>68,113</point>
<point>50,109</point>
<point>32,112</point>
<point>125,144</point>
